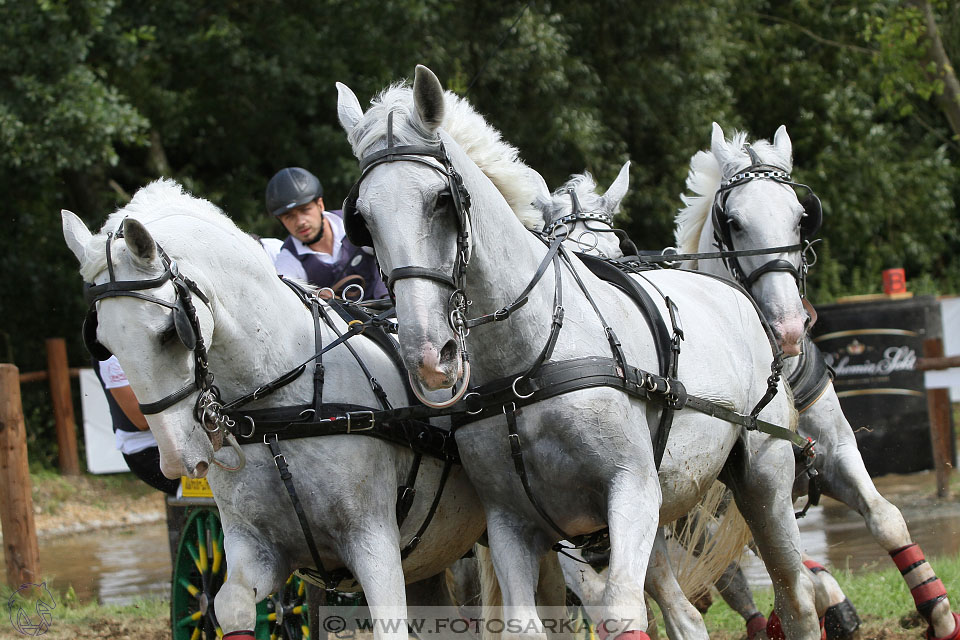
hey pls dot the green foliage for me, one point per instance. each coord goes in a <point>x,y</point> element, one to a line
<point>98,97</point>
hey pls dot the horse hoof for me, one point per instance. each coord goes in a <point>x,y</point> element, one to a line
<point>955,635</point>
<point>775,631</point>
<point>755,625</point>
<point>240,635</point>
<point>841,621</point>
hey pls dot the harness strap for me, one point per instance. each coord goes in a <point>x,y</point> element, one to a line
<point>418,536</point>
<point>504,312</point>
<point>407,491</point>
<point>329,580</point>
<point>516,452</point>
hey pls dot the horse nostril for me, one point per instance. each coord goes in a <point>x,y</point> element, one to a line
<point>201,469</point>
<point>448,353</point>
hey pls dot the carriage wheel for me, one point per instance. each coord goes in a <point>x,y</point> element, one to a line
<point>285,614</point>
<point>199,570</point>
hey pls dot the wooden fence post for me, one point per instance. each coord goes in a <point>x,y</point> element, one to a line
<point>939,409</point>
<point>20,550</point>
<point>63,406</point>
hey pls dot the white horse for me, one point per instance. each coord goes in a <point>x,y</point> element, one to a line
<point>761,213</point>
<point>256,328</point>
<point>589,226</point>
<point>437,259</point>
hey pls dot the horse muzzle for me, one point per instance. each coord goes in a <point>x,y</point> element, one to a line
<point>439,368</point>
<point>790,334</point>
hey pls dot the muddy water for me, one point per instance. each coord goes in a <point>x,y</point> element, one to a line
<point>118,565</point>
<point>837,537</point>
<point>110,566</point>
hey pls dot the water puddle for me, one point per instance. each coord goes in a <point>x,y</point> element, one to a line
<point>111,566</point>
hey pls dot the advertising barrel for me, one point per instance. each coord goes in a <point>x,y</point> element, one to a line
<point>873,347</point>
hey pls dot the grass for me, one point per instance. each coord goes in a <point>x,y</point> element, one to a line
<point>881,598</point>
<point>75,620</point>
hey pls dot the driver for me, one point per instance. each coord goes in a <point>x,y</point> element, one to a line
<point>317,249</point>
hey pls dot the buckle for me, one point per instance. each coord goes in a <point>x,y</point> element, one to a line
<point>367,414</point>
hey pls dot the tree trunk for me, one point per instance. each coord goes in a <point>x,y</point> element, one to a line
<point>949,100</point>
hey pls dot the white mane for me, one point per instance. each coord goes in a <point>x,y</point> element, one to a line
<point>483,144</point>
<point>559,203</point>
<point>704,179</point>
<point>159,199</point>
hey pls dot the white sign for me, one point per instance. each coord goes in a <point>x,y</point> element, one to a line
<point>102,454</point>
<point>950,378</point>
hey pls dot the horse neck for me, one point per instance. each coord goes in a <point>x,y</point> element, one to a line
<point>505,259</point>
<point>261,330</point>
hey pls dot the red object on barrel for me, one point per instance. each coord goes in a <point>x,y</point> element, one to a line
<point>894,281</point>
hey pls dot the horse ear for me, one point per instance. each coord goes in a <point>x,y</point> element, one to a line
<point>139,241</point>
<point>617,190</point>
<point>428,98</point>
<point>783,145</point>
<point>349,110</point>
<point>75,233</point>
<point>719,147</point>
<point>539,184</point>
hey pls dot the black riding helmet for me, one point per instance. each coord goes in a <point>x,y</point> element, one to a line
<point>290,188</point>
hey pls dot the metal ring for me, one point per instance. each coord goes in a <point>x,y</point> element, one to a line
<point>566,230</point>
<point>253,428</point>
<point>596,240</point>
<point>517,393</point>
<point>343,294</point>
<point>333,294</point>
<point>650,383</point>
<point>203,419</point>
<point>472,413</point>
<point>241,457</point>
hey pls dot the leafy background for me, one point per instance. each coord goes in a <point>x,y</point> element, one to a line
<point>98,97</point>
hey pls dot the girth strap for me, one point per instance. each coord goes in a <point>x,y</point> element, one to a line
<point>330,580</point>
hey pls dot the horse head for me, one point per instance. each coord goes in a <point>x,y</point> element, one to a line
<point>157,321</point>
<point>746,202</point>
<point>411,202</point>
<point>584,215</point>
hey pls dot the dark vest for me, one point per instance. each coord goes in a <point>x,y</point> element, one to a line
<point>120,420</point>
<point>352,261</point>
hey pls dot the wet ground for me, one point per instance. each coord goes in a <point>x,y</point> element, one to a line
<point>119,565</point>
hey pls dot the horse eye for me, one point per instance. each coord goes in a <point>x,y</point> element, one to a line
<point>734,224</point>
<point>168,334</point>
<point>444,200</point>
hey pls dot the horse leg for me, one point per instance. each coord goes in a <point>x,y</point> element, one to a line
<point>515,555</point>
<point>681,618</point>
<point>633,528</point>
<point>552,597</point>
<point>251,577</point>
<point>762,491</point>
<point>845,478</point>
<point>374,559</point>
<point>735,591</point>
<point>840,619</point>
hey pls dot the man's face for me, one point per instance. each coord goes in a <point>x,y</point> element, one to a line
<point>304,222</point>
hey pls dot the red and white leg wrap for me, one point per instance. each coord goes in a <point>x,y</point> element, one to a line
<point>775,631</point>
<point>603,634</point>
<point>755,624</point>
<point>925,587</point>
<point>239,635</point>
<point>814,566</point>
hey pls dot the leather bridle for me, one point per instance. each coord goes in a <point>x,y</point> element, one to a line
<point>359,235</point>
<point>809,225</point>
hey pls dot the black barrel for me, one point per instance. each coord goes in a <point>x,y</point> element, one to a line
<point>873,346</point>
